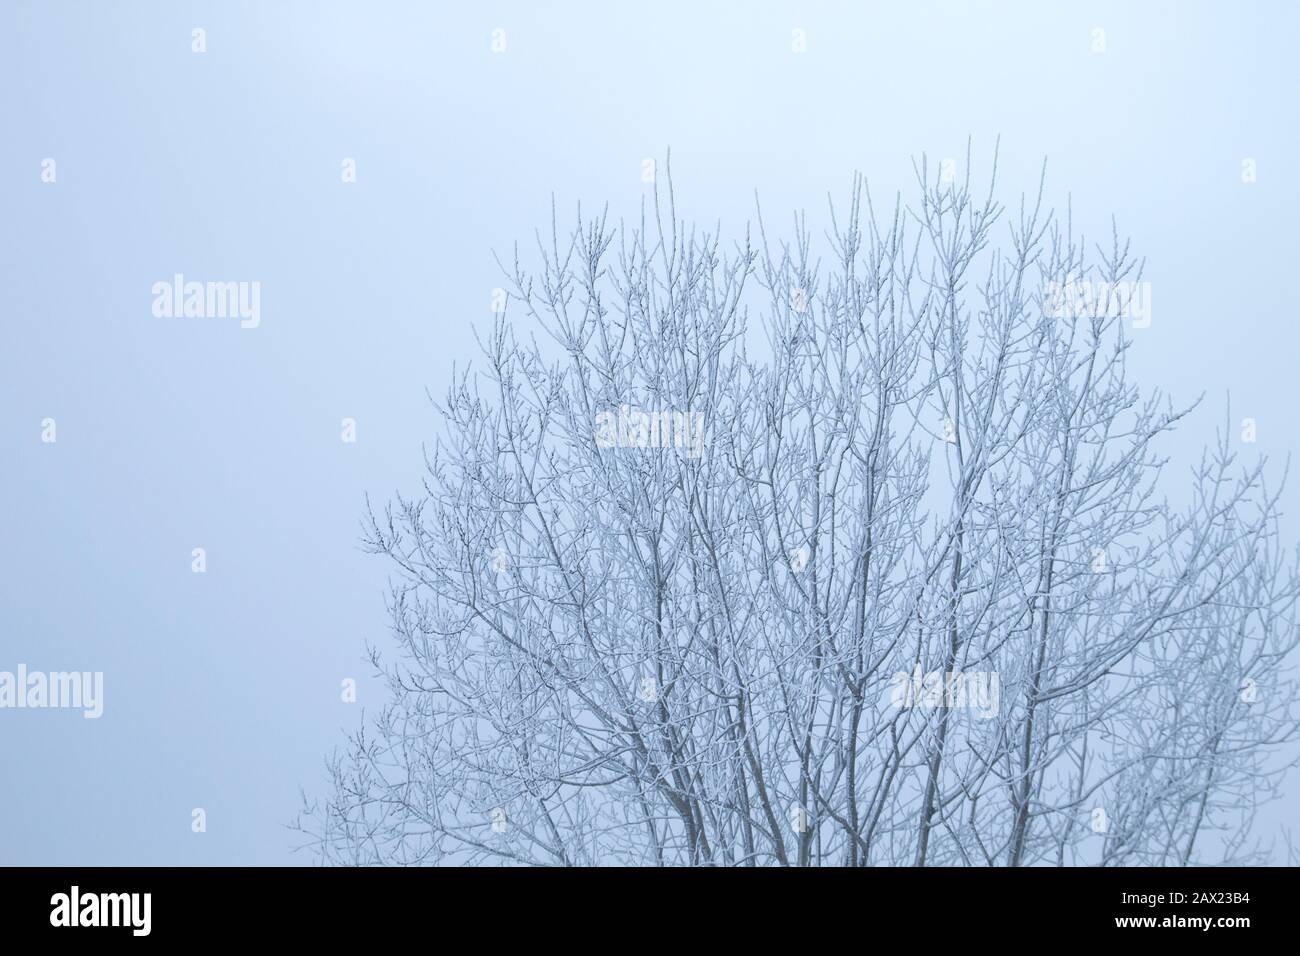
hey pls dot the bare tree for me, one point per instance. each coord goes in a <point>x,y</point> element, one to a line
<point>903,589</point>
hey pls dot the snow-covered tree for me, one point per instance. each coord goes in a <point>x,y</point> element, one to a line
<point>853,552</point>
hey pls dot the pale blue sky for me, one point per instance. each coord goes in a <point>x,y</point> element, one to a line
<point>222,689</point>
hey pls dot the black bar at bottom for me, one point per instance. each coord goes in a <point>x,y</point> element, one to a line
<point>218,905</point>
